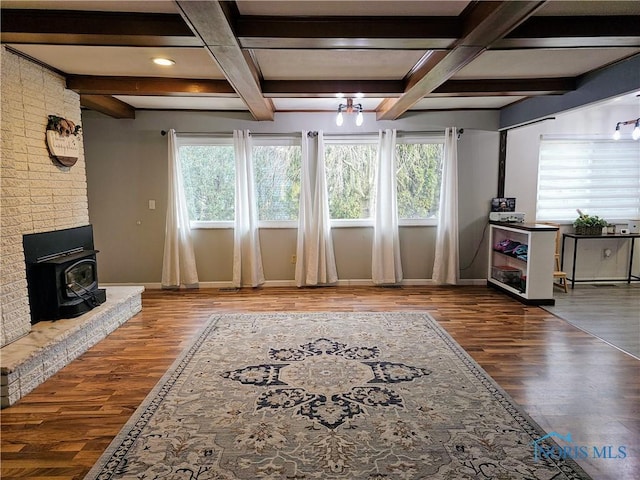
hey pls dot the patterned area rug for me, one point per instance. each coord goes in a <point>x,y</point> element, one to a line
<point>366,396</point>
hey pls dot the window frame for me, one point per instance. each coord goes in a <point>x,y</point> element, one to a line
<point>359,139</point>
<point>277,140</point>
<point>426,138</point>
<point>207,140</point>
<point>295,140</point>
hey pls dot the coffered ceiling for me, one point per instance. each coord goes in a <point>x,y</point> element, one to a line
<point>273,56</point>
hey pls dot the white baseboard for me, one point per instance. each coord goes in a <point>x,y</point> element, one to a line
<point>362,282</point>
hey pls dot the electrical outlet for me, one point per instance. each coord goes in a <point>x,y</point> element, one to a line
<point>294,259</point>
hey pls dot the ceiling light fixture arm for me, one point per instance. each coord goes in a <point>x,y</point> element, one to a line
<point>636,131</point>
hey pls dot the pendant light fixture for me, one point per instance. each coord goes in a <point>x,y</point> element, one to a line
<point>636,130</point>
<point>350,107</point>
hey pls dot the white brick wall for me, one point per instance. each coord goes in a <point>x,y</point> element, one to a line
<point>37,195</point>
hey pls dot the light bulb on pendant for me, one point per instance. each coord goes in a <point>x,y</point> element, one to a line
<point>616,134</point>
<point>339,119</point>
<point>360,119</point>
<point>636,131</point>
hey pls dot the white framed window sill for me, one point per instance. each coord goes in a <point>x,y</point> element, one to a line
<point>293,224</point>
<point>418,222</point>
<point>195,225</point>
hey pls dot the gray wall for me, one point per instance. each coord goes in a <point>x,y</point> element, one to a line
<point>127,167</point>
<point>522,182</point>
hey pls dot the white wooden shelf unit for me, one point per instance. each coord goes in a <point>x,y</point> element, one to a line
<point>536,285</point>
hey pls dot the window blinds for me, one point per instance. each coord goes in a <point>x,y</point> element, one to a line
<point>599,176</point>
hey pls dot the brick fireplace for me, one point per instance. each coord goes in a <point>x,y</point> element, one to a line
<point>38,196</point>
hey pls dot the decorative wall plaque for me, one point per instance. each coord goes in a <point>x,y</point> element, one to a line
<point>63,140</point>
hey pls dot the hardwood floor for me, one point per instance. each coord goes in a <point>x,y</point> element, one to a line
<point>610,311</point>
<point>566,379</point>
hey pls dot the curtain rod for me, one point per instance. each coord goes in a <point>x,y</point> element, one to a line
<point>401,132</point>
<point>229,134</point>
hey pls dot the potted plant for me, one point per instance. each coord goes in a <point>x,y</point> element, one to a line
<point>589,224</point>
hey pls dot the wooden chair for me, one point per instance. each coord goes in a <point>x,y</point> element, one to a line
<point>559,277</point>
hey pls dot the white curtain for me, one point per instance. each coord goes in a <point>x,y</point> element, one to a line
<point>386,267</point>
<point>446,267</point>
<point>316,264</point>
<point>179,264</point>
<point>247,260</point>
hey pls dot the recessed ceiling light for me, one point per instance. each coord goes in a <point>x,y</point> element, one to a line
<point>166,62</point>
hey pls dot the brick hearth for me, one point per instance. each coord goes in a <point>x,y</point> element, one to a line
<point>50,345</point>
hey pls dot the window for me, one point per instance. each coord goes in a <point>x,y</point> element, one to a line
<point>419,173</point>
<point>350,168</point>
<point>208,170</point>
<point>277,167</point>
<point>208,173</point>
<point>598,176</point>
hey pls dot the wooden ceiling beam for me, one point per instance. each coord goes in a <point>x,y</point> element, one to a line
<point>69,27</point>
<point>483,24</point>
<point>101,85</point>
<point>208,21</point>
<point>259,32</point>
<point>329,88</point>
<point>108,105</point>
<point>395,88</point>
<point>581,32</point>
<point>430,32</point>
<point>505,87</point>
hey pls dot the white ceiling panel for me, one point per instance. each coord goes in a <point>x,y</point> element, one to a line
<point>129,61</point>
<point>450,103</point>
<point>336,65</point>
<point>183,103</point>
<point>352,7</point>
<point>321,104</point>
<point>541,63</point>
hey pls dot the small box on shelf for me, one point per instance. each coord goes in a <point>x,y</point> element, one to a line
<point>507,274</point>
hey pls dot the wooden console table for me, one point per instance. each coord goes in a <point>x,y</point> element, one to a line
<point>629,236</point>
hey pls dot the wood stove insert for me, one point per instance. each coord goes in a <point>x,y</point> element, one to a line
<point>62,273</point>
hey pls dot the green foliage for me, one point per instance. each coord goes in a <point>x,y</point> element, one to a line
<point>277,181</point>
<point>209,180</point>
<point>585,220</point>
<point>419,168</point>
<point>350,170</point>
<point>208,173</point>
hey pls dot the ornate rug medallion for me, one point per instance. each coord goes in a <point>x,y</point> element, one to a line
<point>328,381</point>
<point>358,396</point>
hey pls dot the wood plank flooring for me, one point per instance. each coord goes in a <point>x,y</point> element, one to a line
<point>610,311</point>
<point>566,379</point>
